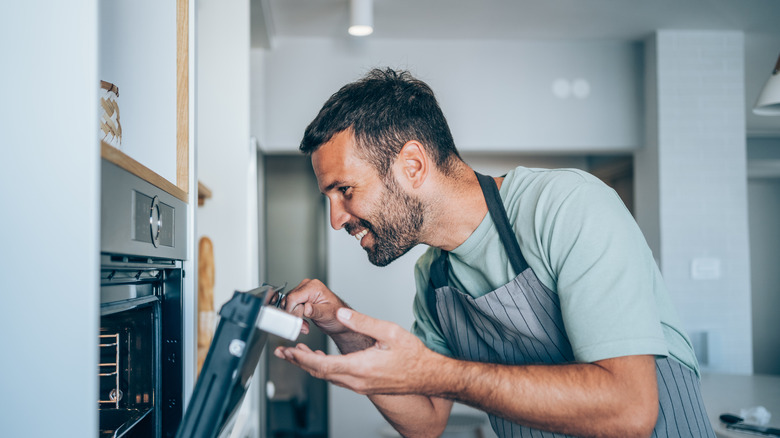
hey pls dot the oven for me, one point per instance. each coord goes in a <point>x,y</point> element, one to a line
<point>141,366</point>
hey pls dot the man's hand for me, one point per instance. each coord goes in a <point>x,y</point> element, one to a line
<point>396,363</point>
<point>393,364</point>
<point>312,299</point>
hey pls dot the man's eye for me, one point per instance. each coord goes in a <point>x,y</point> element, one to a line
<point>345,190</point>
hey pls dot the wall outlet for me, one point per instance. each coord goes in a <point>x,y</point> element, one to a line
<point>705,268</point>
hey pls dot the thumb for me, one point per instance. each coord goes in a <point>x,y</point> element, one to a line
<point>364,324</point>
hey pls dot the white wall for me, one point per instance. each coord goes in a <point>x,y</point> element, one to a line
<point>226,160</point>
<point>138,55</point>
<point>497,95</point>
<point>50,222</point>
<point>258,99</point>
<point>692,193</point>
<point>228,164</point>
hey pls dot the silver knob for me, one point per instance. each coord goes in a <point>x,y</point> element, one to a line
<point>155,221</point>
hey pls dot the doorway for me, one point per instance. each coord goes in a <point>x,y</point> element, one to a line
<point>763,214</point>
<point>295,221</point>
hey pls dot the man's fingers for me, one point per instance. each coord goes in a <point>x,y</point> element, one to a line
<point>299,295</point>
<point>316,363</point>
<point>296,305</point>
<point>305,327</point>
<point>304,347</point>
<point>358,322</point>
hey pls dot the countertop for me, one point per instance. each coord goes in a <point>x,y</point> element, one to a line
<point>728,393</point>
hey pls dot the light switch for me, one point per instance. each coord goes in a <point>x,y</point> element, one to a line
<point>705,268</point>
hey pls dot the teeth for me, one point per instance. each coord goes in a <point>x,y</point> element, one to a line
<point>360,235</point>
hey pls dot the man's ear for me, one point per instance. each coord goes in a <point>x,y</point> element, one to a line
<point>413,164</point>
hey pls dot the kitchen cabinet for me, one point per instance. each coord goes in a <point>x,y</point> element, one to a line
<point>144,51</point>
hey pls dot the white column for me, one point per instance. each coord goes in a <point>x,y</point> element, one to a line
<point>692,186</point>
<point>50,221</point>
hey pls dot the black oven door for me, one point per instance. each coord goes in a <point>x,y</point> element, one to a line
<point>227,371</point>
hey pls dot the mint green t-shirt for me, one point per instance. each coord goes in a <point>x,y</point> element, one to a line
<point>583,244</point>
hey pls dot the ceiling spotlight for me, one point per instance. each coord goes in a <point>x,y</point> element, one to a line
<point>361,16</point>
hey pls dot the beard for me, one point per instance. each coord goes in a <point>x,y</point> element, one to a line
<point>396,228</point>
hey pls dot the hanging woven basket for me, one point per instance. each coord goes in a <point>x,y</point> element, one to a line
<point>110,128</point>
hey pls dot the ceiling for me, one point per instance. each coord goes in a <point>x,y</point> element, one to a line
<point>631,20</point>
<point>518,19</point>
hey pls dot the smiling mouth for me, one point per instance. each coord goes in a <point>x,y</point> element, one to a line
<point>360,235</point>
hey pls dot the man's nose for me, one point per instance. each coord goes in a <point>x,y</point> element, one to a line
<point>338,215</point>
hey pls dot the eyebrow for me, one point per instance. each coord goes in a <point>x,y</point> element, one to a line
<point>332,185</point>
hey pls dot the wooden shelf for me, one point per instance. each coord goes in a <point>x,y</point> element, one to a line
<point>203,193</point>
<point>124,161</point>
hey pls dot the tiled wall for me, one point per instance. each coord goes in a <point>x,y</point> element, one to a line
<point>696,157</point>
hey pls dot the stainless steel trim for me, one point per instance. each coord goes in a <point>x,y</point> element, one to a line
<point>119,189</point>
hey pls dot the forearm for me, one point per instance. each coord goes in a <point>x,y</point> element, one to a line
<point>576,399</point>
<point>612,397</point>
<point>414,415</point>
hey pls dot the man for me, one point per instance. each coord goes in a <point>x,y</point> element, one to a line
<point>538,300</point>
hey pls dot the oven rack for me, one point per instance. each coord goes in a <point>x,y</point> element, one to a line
<point>109,344</point>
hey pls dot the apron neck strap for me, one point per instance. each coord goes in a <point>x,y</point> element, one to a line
<point>498,214</point>
<point>439,275</point>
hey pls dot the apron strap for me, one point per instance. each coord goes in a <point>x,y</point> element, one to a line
<point>438,278</point>
<point>439,274</point>
<point>498,214</point>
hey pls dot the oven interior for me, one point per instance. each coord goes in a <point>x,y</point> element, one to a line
<point>126,372</point>
<point>137,364</point>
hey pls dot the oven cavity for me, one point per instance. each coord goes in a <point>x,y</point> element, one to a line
<point>137,296</point>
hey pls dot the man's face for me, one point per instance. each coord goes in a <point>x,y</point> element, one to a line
<point>380,214</point>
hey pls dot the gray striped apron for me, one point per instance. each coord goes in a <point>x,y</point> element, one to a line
<point>521,323</point>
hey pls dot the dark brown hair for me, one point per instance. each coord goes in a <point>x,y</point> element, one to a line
<point>385,109</point>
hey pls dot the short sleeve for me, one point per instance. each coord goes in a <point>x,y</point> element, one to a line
<point>604,274</point>
<point>424,326</point>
